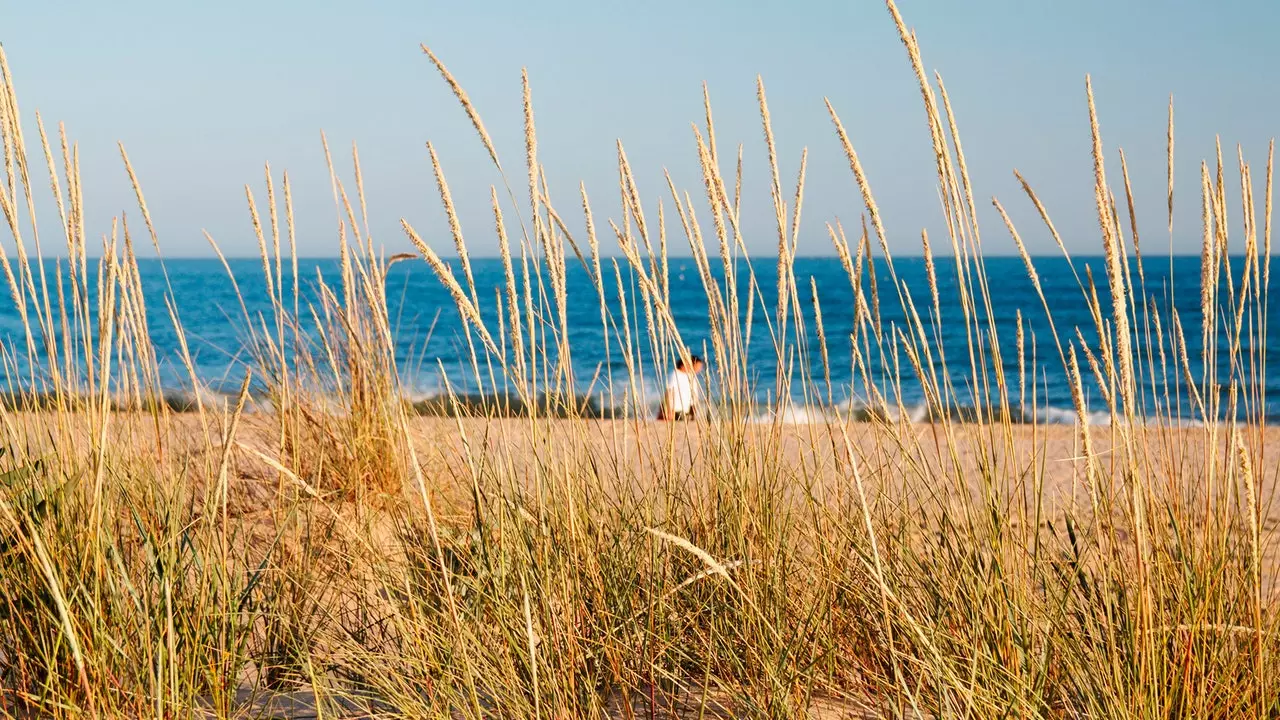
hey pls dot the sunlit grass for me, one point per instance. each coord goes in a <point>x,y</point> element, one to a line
<point>516,557</point>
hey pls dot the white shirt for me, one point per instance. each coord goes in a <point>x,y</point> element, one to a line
<point>681,392</point>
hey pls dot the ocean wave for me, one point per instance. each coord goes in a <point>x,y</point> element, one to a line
<point>437,403</point>
<point>921,413</point>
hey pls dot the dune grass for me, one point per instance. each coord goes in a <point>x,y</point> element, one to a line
<point>544,564</point>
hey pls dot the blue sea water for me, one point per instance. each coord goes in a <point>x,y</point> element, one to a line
<point>431,345</point>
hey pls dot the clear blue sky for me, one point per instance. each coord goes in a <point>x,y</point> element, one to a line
<point>203,95</point>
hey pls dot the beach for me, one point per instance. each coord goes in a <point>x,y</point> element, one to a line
<point>336,457</point>
<point>909,462</point>
<point>1027,470</point>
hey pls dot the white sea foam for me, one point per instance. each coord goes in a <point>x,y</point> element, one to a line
<point>626,405</point>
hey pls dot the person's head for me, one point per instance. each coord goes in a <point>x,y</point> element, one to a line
<point>693,367</point>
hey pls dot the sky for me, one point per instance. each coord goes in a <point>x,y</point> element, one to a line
<point>204,95</point>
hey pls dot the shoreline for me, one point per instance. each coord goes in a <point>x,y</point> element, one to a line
<point>478,406</point>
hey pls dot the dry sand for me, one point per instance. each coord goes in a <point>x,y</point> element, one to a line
<point>920,463</point>
<point>1030,460</point>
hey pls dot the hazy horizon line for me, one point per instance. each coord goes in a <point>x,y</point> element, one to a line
<point>715,260</point>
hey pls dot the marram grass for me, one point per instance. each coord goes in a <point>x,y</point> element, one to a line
<point>517,555</point>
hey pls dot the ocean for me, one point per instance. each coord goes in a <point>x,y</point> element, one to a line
<point>431,346</point>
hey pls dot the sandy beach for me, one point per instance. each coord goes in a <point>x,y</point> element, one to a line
<point>926,465</point>
<point>634,455</point>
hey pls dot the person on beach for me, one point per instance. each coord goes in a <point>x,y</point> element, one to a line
<point>680,400</point>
